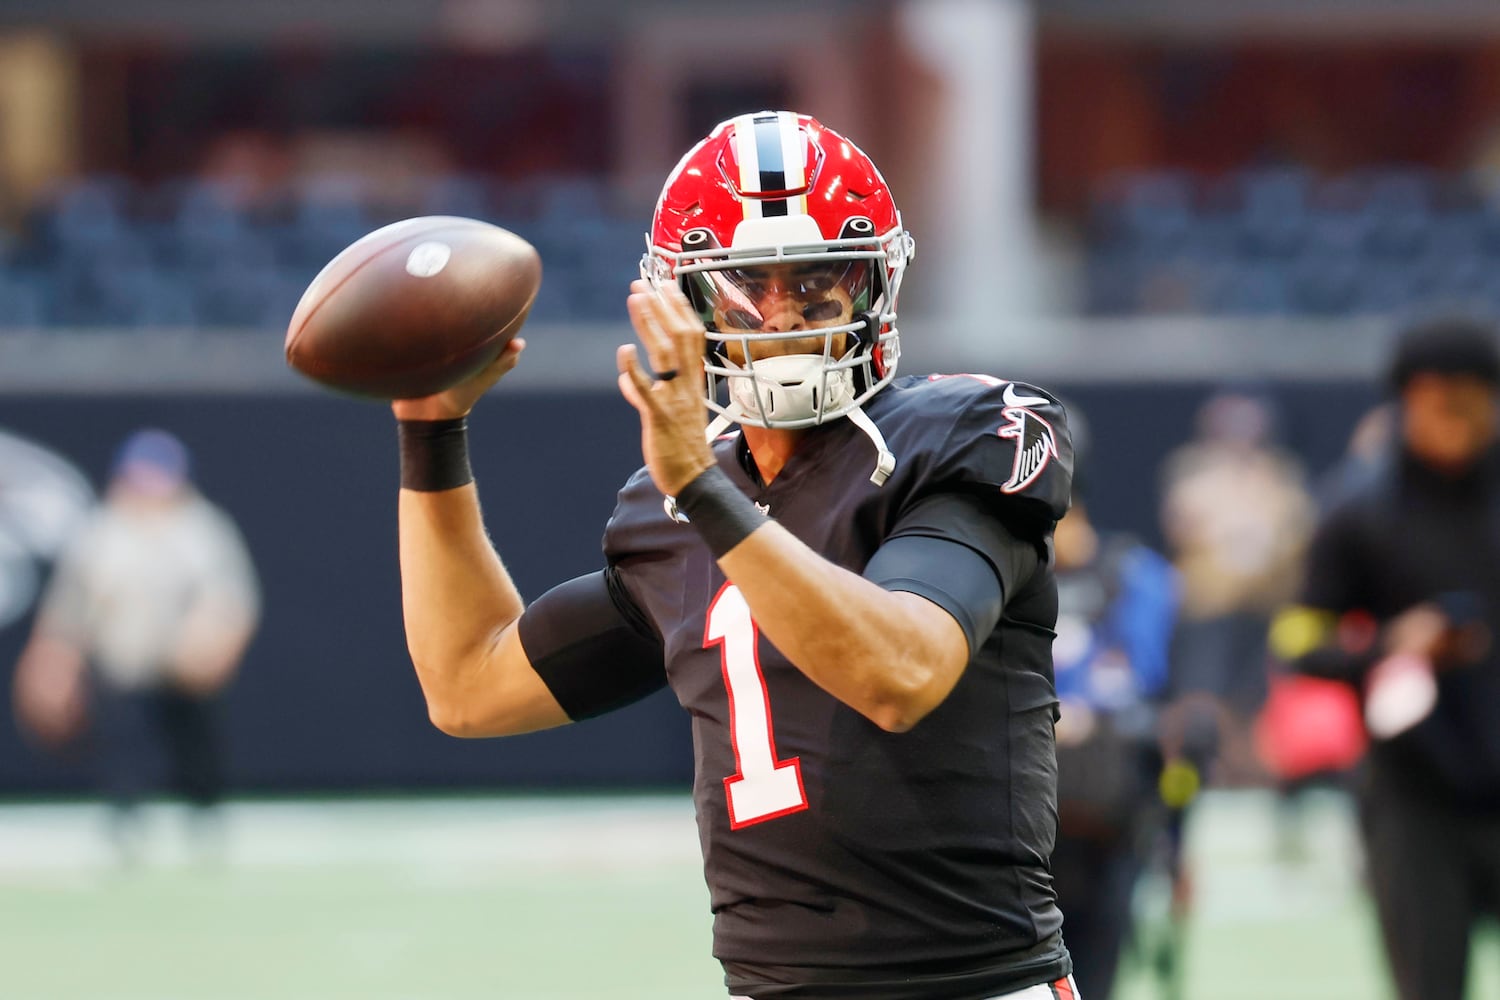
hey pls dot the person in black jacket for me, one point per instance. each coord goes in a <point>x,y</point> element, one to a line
<point>1401,596</point>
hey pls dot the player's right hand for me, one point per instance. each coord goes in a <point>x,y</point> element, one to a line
<point>456,402</point>
<point>1426,632</point>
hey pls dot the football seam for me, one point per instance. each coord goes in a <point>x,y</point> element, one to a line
<point>314,310</point>
<point>302,365</point>
<point>436,363</point>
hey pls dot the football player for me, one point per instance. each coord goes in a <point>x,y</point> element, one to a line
<point>850,591</point>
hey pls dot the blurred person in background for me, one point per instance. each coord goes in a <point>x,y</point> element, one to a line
<point>1402,601</point>
<point>1236,516</point>
<point>852,594</point>
<point>1117,603</point>
<point>144,623</point>
<point>1310,734</point>
<point>1365,454</point>
<point>43,497</point>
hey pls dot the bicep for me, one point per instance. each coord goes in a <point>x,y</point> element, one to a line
<point>578,651</point>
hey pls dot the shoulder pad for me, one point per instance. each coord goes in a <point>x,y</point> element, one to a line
<point>1009,437</point>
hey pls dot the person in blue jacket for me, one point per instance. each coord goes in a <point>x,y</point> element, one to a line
<point>1117,607</point>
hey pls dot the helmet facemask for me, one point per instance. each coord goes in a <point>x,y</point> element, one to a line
<point>831,296</point>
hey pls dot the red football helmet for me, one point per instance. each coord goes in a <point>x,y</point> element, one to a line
<point>778,228</point>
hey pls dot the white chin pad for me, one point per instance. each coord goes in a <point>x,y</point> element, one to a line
<point>791,387</point>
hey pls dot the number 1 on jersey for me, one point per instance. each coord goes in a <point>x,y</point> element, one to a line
<point>762,787</point>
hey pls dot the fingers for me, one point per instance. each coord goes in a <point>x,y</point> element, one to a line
<point>682,322</point>
<point>511,356</point>
<point>635,384</point>
<point>460,399</point>
<point>645,310</point>
<point>502,365</point>
<point>669,329</point>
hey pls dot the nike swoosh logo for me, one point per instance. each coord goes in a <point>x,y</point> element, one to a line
<point>1011,399</point>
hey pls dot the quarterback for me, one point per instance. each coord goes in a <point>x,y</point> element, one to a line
<point>845,578</point>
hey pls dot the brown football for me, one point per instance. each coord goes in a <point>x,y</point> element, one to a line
<point>414,307</point>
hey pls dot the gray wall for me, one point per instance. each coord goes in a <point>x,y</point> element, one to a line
<point>328,700</point>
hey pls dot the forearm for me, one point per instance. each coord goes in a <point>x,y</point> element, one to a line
<point>1331,663</point>
<point>457,598</point>
<point>891,656</point>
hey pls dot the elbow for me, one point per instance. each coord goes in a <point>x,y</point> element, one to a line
<point>451,721</point>
<point>449,712</point>
<point>450,706</point>
<point>898,691</point>
<point>903,702</point>
<point>894,718</point>
<point>464,724</point>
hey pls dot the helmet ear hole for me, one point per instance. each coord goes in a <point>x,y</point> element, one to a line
<point>857,228</point>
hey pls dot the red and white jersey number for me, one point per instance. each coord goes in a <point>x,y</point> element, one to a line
<point>761,787</point>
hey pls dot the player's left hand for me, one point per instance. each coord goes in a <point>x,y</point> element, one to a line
<point>671,404</point>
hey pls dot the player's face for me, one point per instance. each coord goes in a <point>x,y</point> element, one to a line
<point>1448,420</point>
<point>786,298</point>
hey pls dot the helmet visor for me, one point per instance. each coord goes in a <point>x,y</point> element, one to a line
<point>801,295</point>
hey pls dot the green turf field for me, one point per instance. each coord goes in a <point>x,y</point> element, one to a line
<point>587,899</point>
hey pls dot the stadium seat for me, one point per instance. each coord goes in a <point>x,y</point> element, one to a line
<point>464,195</point>
<point>1324,284</point>
<point>23,304</point>
<point>1257,290</point>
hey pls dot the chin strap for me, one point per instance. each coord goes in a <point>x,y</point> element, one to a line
<point>885,461</point>
<point>728,418</point>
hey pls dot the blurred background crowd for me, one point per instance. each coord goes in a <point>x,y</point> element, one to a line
<point>1202,223</point>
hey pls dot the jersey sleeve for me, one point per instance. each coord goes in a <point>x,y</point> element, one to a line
<point>1009,441</point>
<point>953,551</point>
<point>591,640</point>
<point>591,647</point>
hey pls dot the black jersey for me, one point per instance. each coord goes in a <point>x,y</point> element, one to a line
<point>827,840</point>
<point>1410,535</point>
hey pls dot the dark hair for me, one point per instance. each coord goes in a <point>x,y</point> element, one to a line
<point>1447,345</point>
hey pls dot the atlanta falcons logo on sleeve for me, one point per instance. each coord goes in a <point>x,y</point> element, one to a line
<point>1036,442</point>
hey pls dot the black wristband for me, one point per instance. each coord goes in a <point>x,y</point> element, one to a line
<point>434,454</point>
<point>718,511</point>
